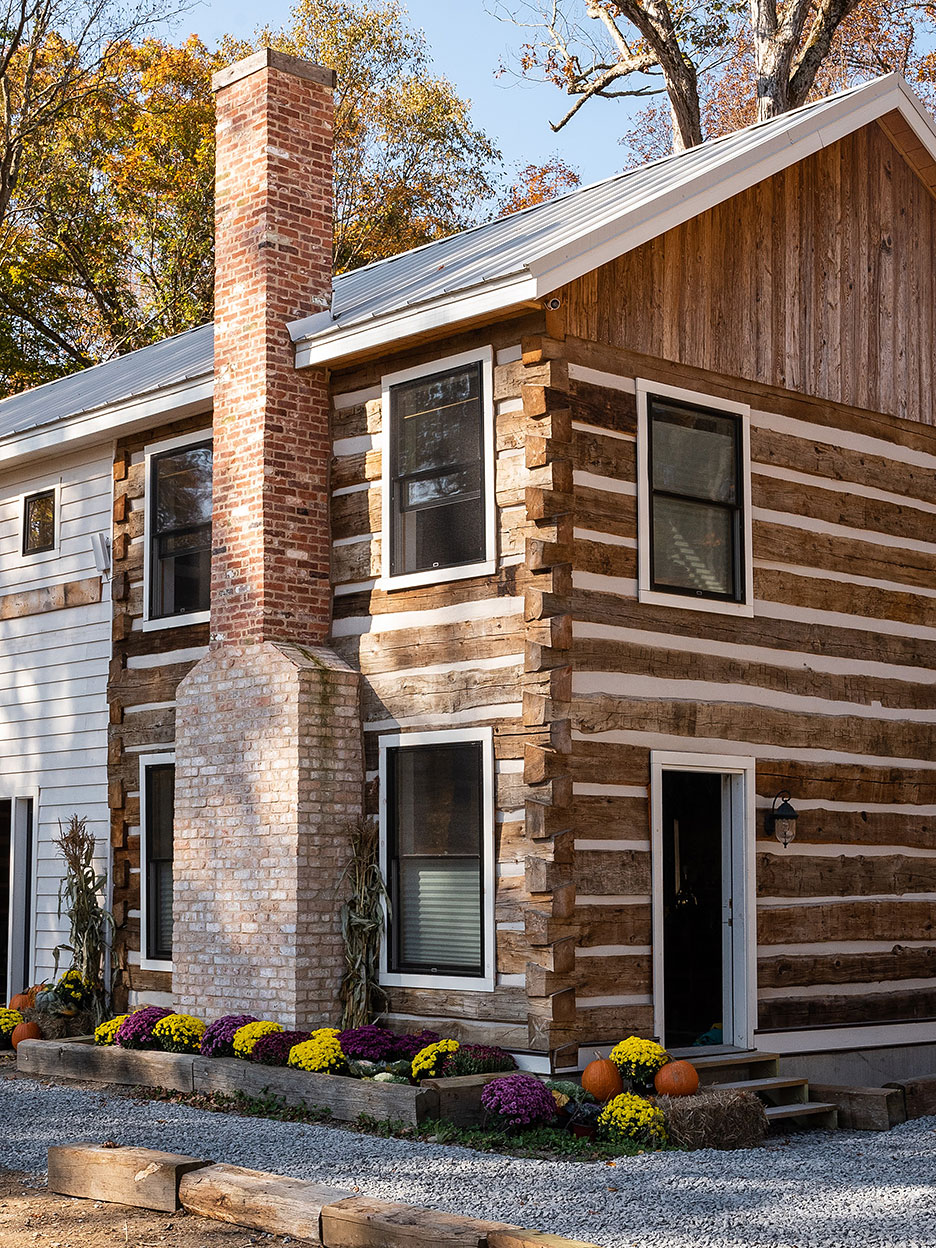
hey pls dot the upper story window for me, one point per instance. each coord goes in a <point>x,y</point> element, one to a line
<point>179,531</point>
<point>437,854</point>
<point>39,522</point>
<point>439,471</point>
<point>694,496</point>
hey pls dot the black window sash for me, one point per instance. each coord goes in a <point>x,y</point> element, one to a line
<point>160,536</point>
<point>50,544</point>
<point>400,480</point>
<point>158,942</point>
<point>395,961</point>
<point>735,510</point>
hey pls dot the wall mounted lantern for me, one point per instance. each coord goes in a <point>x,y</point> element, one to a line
<point>781,820</point>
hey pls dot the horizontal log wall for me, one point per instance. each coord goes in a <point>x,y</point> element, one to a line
<point>145,672</point>
<point>465,653</point>
<point>821,280</point>
<point>831,686</point>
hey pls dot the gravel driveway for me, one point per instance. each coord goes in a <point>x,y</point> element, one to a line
<point>818,1190</point>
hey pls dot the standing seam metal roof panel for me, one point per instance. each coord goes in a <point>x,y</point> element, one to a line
<point>170,362</point>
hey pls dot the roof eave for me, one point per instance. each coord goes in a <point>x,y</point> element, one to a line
<point>331,346</point>
<point>186,398</point>
<point>883,95</point>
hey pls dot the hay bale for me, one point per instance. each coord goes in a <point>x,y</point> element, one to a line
<point>714,1118</point>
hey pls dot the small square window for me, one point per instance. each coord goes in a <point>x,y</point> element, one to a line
<point>39,523</point>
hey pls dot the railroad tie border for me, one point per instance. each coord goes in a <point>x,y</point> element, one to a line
<point>149,1179</point>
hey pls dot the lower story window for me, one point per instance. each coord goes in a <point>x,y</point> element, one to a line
<point>437,837</point>
<point>158,804</point>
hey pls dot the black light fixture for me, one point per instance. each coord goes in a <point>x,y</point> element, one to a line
<point>781,820</point>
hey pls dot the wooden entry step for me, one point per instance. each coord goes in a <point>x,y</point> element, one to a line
<point>729,1065</point>
<point>775,1090</point>
<point>813,1113</point>
<point>786,1098</point>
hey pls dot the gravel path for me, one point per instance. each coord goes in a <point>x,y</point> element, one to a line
<point>821,1190</point>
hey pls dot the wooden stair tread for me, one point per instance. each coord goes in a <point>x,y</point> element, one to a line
<point>800,1110</point>
<point>763,1085</point>
<point>720,1061</point>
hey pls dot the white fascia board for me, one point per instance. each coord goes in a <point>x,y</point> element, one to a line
<point>450,310</point>
<point>723,180</point>
<point>917,117</point>
<point>187,398</point>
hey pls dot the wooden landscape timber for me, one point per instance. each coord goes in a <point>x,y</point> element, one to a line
<point>344,1099</point>
<point>274,1204</point>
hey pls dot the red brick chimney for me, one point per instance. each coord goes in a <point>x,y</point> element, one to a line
<point>269,756</point>
<point>273,264</point>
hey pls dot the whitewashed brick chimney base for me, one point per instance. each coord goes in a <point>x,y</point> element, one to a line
<point>269,774</point>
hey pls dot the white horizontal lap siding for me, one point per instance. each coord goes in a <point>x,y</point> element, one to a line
<point>53,677</point>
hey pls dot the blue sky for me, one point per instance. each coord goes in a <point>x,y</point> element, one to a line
<point>467,44</point>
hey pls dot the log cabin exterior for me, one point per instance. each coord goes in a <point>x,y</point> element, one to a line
<point>597,697</point>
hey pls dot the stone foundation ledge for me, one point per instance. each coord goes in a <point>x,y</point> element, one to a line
<point>304,1210</point>
<point>457,1100</point>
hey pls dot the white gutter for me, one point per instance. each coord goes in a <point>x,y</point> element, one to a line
<point>332,345</point>
<point>186,398</point>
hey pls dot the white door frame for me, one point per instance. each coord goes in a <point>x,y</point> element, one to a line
<point>740,970</point>
<point>21,938</point>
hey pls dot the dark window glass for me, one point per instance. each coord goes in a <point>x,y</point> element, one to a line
<point>435,854</point>
<point>160,801</point>
<point>39,523</point>
<point>181,531</point>
<point>696,501</point>
<point>437,471</point>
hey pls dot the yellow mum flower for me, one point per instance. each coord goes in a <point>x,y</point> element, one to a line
<point>428,1062</point>
<point>322,1054</point>
<point>247,1036</point>
<point>107,1031</point>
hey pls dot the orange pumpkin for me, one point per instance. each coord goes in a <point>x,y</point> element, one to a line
<point>602,1079</point>
<point>32,993</point>
<point>20,1002</point>
<point>677,1079</point>
<point>25,1031</point>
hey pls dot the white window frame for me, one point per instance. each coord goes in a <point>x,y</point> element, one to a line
<point>148,760</point>
<point>41,556</point>
<point>463,983</point>
<point>149,453</point>
<point>740,967</point>
<point>436,576</point>
<point>687,601</point>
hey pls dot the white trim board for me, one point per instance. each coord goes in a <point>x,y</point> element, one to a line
<point>484,735</point>
<point>686,600</point>
<point>842,1039</point>
<point>153,759</point>
<point>740,948</point>
<point>389,580</point>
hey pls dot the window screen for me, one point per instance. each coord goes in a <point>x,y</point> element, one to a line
<point>435,856</point>
<point>160,800</point>
<point>437,471</point>
<point>180,516</point>
<point>39,523</point>
<point>696,501</point>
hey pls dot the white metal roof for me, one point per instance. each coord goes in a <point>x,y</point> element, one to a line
<point>177,359</point>
<point>521,258</point>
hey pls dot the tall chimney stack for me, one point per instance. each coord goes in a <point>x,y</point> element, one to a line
<point>269,759</point>
<point>273,264</point>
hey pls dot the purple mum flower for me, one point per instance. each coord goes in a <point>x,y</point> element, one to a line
<point>136,1031</point>
<point>408,1045</point>
<point>273,1050</point>
<point>218,1040</point>
<point>369,1044</point>
<point>519,1100</point>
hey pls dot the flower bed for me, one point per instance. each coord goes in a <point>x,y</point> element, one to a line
<point>470,1085</point>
